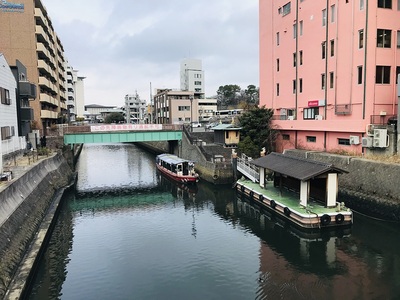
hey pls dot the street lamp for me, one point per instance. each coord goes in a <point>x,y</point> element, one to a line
<point>191,113</point>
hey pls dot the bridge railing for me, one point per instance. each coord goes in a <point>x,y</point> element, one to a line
<point>61,130</point>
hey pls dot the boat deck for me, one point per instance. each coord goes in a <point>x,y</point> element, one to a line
<point>288,198</point>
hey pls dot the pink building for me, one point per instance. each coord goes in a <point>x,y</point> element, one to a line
<point>329,69</point>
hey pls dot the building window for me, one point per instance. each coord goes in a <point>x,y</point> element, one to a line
<point>311,139</point>
<point>294,86</point>
<point>300,85</point>
<point>382,75</point>
<point>333,13</point>
<point>294,59</point>
<point>398,4</point>
<point>286,137</point>
<point>324,17</point>
<point>361,39</point>
<point>323,79</point>
<point>332,47</point>
<point>397,74</point>
<point>294,30</point>
<point>277,64</point>
<point>5,96</point>
<point>398,38</point>
<point>385,3</point>
<point>359,74</point>
<point>383,39</point>
<point>331,80</point>
<point>277,89</point>
<point>197,83</point>
<point>286,9</point>
<point>310,113</point>
<point>301,27</point>
<point>277,38</point>
<point>345,142</point>
<point>323,49</point>
<point>7,132</point>
<point>301,57</point>
<point>361,4</point>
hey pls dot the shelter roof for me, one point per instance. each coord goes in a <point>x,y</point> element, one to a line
<point>299,168</point>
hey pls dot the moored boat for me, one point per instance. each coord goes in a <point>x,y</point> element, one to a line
<point>176,168</point>
<point>300,190</point>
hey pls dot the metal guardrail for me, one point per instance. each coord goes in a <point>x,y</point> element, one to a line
<point>246,168</point>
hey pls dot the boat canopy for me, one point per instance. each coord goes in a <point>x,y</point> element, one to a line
<point>172,159</point>
<point>295,167</point>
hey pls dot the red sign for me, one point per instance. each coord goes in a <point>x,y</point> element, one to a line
<point>313,103</point>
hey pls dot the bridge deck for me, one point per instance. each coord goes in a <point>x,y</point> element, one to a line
<point>121,133</point>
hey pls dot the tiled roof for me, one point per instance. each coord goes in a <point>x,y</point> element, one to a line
<point>299,168</point>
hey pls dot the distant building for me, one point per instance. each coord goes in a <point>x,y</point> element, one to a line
<point>27,35</point>
<point>175,107</point>
<point>192,77</point>
<point>329,70</point>
<point>75,89</point>
<point>135,109</point>
<point>207,109</point>
<point>94,113</point>
<point>10,141</point>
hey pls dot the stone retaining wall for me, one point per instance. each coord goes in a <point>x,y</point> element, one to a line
<point>23,204</point>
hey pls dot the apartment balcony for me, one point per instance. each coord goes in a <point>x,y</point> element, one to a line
<point>63,105</point>
<point>47,84</point>
<point>26,114</point>
<point>39,30</point>
<point>39,14</point>
<point>71,103</point>
<point>45,98</point>
<point>48,114</point>
<point>27,89</point>
<point>62,95</point>
<point>41,49</point>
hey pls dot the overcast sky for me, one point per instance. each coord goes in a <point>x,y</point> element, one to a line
<point>121,46</point>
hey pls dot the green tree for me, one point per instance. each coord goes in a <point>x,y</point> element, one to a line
<point>252,93</point>
<point>114,117</point>
<point>227,95</point>
<point>256,131</point>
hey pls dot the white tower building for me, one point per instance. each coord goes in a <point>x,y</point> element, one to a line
<point>192,77</point>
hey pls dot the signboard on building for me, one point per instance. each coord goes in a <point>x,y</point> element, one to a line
<point>6,6</point>
<point>316,103</point>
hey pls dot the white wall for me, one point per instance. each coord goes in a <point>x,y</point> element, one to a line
<point>8,113</point>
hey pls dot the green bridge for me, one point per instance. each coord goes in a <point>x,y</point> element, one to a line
<point>121,133</point>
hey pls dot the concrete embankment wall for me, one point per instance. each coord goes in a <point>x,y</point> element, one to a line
<point>23,204</point>
<point>370,186</point>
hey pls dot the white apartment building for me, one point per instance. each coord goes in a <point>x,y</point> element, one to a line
<point>192,77</point>
<point>135,109</point>
<point>10,141</point>
<point>75,89</point>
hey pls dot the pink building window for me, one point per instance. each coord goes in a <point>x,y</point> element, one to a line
<point>385,3</point>
<point>382,75</point>
<point>384,38</point>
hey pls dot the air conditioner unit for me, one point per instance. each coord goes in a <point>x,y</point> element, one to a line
<point>381,138</point>
<point>290,118</point>
<point>354,140</point>
<point>366,142</point>
<point>319,117</point>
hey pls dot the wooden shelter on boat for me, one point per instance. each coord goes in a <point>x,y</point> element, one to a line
<point>302,191</point>
<point>313,179</point>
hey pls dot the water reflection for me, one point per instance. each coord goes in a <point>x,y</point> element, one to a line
<point>149,238</point>
<point>294,266</point>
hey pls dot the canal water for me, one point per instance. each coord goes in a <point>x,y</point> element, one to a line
<point>129,233</point>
